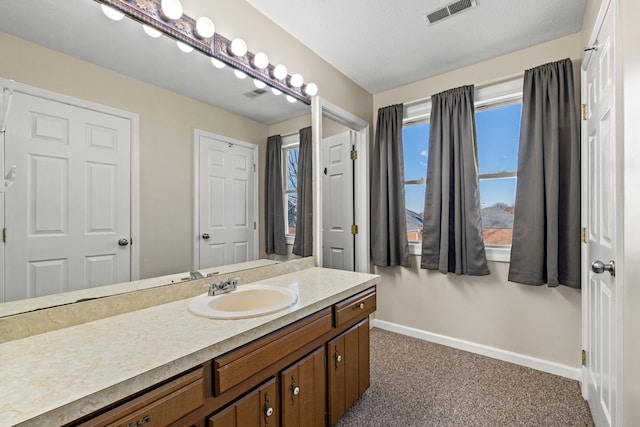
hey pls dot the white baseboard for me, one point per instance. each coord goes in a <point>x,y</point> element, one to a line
<point>495,353</point>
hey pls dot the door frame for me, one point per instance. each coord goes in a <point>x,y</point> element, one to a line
<point>612,7</point>
<point>134,181</point>
<point>197,133</point>
<point>322,108</point>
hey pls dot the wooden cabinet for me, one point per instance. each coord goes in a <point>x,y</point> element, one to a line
<point>158,407</point>
<point>259,408</point>
<point>303,391</point>
<point>348,369</point>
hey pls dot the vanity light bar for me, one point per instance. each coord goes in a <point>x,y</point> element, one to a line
<point>149,12</point>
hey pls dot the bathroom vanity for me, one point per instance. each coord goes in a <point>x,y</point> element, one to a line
<point>305,365</point>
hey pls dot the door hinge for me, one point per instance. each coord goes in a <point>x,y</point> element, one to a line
<point>584,234</point>
<point>354,154</point>
<point>254,225</point>
<point>254,167</point>
<point>354,229</point>
<point>584,111</point>
<point>4,235</point>
<point>584,358</point>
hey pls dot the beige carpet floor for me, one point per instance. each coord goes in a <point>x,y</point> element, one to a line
<point>417,383</point>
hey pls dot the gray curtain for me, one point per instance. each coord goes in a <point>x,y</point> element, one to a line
<point>303,243</point>
<point>389,244</point>
<point>546,225</point>
<point>275,242</point>
<point>452,228</point>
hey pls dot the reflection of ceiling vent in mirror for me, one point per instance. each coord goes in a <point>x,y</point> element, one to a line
<point>254,93</point>
<point>449,10</point>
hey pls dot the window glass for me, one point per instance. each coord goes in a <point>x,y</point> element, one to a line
<point>498,132</point>
<point>415,144</point>
<point>291,160</point>
<point>290,185</point>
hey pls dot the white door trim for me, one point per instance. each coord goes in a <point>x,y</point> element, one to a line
<point>323,108</point>
<point>135,158</point>
<point>197,133</point>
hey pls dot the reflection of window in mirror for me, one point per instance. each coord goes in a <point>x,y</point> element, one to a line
<point>290,150</point>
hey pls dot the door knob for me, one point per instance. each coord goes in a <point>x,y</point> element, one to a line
<point>599,267</point>
<point>123,242</point>
<point>205,236</point>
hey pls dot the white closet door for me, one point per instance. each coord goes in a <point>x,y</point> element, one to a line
<point>70,205</point>
<point>337,204</point>
<point>227,208</point>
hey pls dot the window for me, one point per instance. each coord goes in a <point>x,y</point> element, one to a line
<point>290,152</point>
<point>498,111</point>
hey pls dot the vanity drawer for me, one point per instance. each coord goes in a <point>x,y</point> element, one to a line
<point>236,366</point>
<point>358,305</point>
<point>158,407</point>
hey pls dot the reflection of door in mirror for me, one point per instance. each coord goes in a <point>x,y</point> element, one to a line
<point>227,201</point>
<point>337,203</point>
<point>67,215</point>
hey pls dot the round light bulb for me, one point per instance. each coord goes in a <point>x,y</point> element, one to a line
<point>151,32</point>
<point>171,9</point>
<point>184,47</point>
<point>260,60</point>
<point>276,91</point>
<point>238,47</point>
<point>311,89</point>
<point>259,84</point>
<point>205,27</point>
<point>112,13</point>
<point>280,72</point>
<point>217,63</point>
<point>291,99</point>
<point>239,74</point>
<point>296,80</point>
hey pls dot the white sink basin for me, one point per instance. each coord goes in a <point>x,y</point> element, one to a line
<point>246,301</point>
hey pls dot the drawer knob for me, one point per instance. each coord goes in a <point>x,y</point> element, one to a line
<point>296,391</point>
<point>361,305</point>
<point>142,421</point>
<point>269,411</point>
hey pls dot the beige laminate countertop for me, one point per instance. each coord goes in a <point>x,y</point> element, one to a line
<point>56,377</point>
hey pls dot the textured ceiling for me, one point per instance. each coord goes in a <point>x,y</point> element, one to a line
<point>384,44</point>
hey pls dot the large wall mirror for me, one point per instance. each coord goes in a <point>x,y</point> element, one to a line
<point>71,48</point>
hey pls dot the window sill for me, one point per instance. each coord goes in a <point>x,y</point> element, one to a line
<point>493,252</point>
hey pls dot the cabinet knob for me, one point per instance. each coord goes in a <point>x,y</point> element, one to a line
<point>269,411</point>
<point>361,305</point>
<point>296,391</point>
<point>339,358</point>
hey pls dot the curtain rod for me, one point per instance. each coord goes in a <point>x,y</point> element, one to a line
<point>284,135</point>
<point>477,86</point>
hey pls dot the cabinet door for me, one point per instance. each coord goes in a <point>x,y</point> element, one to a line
<point>348,368</point>
<point>303,392</point>
<point>259,408</point>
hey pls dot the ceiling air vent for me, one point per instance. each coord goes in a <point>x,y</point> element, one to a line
<point>254,93</point>
<point>449,10</point>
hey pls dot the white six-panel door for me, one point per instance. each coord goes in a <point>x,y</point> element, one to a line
<point>69,209</point>
<point>601,329</point>
<point>226,201</point>
<point>337,193</point>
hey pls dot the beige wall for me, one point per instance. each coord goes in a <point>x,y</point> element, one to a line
<point>540,322</point>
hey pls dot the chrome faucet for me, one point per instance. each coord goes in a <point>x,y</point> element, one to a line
<point>193,275</point>
<point>223,287</point>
